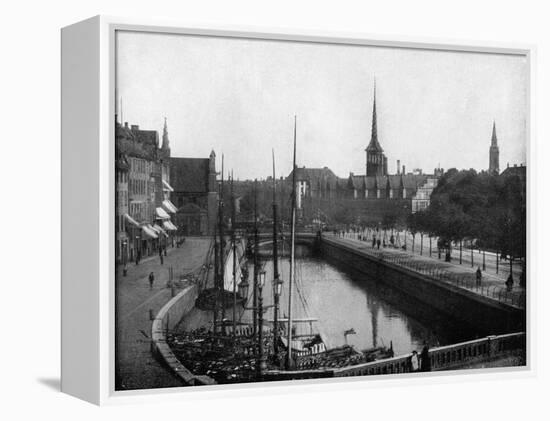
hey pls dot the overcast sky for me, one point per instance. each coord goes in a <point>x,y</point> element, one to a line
<point>239,97</point>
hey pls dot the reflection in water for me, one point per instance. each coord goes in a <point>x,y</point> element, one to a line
<point>342,301</point>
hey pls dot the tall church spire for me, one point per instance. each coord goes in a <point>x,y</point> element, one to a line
<point>494,167</point>
<point>374,145</point>
<point>165,140</point>
<point>377,164</point>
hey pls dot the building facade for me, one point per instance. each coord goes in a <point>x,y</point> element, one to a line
<point>143,221</point>
<point>195,194</point>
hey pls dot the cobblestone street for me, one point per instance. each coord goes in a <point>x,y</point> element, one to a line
<point>135,300</point>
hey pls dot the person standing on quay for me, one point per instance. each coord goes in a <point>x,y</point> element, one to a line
<point>151,280</point>
<point>413,362</point>
<point>478,276</point>
<point>425,360</point>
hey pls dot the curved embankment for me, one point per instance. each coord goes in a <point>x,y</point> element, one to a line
<point>169,316</point>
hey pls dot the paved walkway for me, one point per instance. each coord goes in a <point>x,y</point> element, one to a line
<point>135,366</point>
<point>492,285</point>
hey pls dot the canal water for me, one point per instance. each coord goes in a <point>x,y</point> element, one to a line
<point>342,300</point>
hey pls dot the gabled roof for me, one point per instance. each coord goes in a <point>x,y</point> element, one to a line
<point>357,181</point>
<point>413,181</point>
<point>395,181</point>
<point>370,182</point>
<point>189,175</point>
<point>191,208</point>
<point>381,182</point>
<point>342,183</point>
<point>150,137</point>
<point>312,174</point>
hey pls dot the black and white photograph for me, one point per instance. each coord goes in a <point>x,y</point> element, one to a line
<point>291,210</point>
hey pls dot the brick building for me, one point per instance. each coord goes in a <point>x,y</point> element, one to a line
<point>373,198</point>
<point>195,194</point>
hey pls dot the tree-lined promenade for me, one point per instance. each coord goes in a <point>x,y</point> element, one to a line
<point>490,285</point>
<point>474,219</point>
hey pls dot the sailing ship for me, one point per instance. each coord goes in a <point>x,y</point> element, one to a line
<point>266,349</point>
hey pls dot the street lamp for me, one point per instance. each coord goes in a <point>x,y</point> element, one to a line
<point>278,287</point>
<point>261,279</point>
<point>243,289</point>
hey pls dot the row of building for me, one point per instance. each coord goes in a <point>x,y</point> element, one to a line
<point>376,194</point>
<point>158,198</point>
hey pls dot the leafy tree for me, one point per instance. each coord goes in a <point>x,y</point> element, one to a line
<point>490,210</point>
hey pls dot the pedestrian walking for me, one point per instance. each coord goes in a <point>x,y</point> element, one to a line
<point>138,256</point>
<point>478,276</point>
<point>151,280</point>
<point>161,259</point>
<point>509,283</point>
<point>378,244</point>
<point>425,360</point>
<point>373,241</point>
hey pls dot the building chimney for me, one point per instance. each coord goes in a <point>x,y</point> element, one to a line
<point>398,166</point>
<point>125,124</point>
<point>403,172</point>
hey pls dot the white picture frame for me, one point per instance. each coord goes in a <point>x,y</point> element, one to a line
<point>88,110</point>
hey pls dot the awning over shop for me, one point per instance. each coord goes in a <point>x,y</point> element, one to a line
<point>168,225</point>
<point>149,231</point>
<point>169,206</point>
<point>159,230</point>
<point>131,220</point>
<point>161,214</point>
<point>166,186</point>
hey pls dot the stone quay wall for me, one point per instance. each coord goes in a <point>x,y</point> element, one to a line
<point>484,314</point>
<point>167,318</point>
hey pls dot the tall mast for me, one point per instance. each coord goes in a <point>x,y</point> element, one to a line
<point>291,275</point>
<point>233,242</point>
<point>275,266</point>
<point>222,265</point>
<point>256,268</point>
<point>216,281</point>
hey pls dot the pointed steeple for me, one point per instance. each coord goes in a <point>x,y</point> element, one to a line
<point>165,140</point>
<point>494,167</point>
<point>374,145</point>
